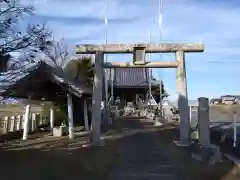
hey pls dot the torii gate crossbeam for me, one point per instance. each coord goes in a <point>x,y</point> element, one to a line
<point>138,51</point>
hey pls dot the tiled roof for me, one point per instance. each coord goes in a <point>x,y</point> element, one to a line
<point>48,72</point>
<point>131,77</point>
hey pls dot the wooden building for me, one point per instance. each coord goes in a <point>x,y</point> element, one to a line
<point>44,82</point>
<point>129,83</point>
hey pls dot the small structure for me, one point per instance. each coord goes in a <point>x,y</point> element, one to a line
<point>43,81</point>
<point>132,84</point>
<point>139,51</point>
<point>216,101</point>
<point>230,99</point>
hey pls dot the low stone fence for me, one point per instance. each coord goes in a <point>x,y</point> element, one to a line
<point>10,124</point>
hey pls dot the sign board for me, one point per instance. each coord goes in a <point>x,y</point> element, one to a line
<point>139,54</point>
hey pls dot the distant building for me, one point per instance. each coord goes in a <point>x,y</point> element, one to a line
<point>230,99</point>
<point>216,101</point>
<point>192,102</point>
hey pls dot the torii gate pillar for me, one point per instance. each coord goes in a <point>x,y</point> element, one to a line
<point>182,98</point>
<point>179,64</point>
<point>97,99</point>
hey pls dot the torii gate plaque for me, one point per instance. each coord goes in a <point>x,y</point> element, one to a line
<point>135,49</point>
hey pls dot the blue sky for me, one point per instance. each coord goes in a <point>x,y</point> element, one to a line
<point>213,22</point>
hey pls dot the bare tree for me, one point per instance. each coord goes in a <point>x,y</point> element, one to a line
<point>27,43</point>
<point>57,53</point>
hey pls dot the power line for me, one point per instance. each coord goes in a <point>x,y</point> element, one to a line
<point>160,18</point>
<point>106,26</point>
<point>160,23</point>
<point>106,55</point>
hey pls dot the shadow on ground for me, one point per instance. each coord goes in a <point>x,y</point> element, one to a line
<point>133,150</point>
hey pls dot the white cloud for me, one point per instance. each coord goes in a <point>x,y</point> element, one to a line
<point>214,23</point>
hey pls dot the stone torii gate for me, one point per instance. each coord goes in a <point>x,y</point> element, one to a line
<point>139,51</point>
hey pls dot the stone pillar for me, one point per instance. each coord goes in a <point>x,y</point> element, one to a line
<point>203,121</point>
<point>190,114</point>
<point>86,116</point>
<point>182,98</point>
<point>19,122</point>
<point>22,123</point>
<point>34,123</point>
<point>52,116</point>
<point>12,123</point>
<point>26,119</point>
<point>112,88</point>
<point>146,98</point>
<point>70,116</point>
<point>2,126</point>
<point>106,97</point>
<point>97,98</point>
<point>6,125</point>
<point>137,102</point>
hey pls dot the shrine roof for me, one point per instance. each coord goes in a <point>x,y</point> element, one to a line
<point>132,78</point>
<point>44,80</point>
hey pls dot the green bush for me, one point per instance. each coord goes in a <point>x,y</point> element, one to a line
<point>60,113</point>
<point>46,109</point>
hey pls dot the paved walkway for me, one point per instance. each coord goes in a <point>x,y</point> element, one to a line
<point>141,158</point>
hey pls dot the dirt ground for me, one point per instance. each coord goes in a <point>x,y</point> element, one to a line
<point>133,150</point>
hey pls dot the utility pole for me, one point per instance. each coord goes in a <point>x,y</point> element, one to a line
<point>149,74</point>
<point>106,75</point>
<point>160,99</point>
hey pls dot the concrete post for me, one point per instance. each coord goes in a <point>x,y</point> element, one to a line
<point>182,98</point>
<point>203,120</point>
<point>97,98</point>
<point>22,123</point>
<point>137,102</point>
<point>26,119</point>
<point>190,114</point>
<point>70,116</point>
<point>34,125</point>
<point>12,123</point>
<point>2,126</point>
<point>52,116</point>
<point>234,128</point>
<point>85,116</point>
<point>112,80</point>
<point>159,116</point>
<point>106,96</point>
<point>19,122</point>
<point>7,120</point>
